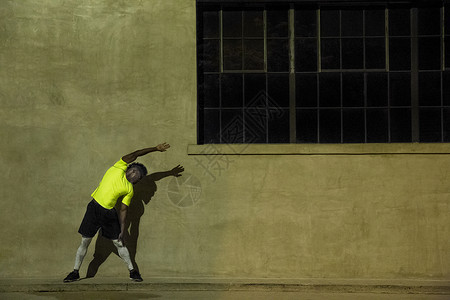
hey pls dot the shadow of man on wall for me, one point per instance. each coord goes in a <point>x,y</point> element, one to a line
<point>144,190</point>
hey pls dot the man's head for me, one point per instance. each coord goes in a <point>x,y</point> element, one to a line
<point>136,172</point>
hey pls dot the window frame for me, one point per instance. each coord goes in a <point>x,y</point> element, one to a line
<point>292,105</point>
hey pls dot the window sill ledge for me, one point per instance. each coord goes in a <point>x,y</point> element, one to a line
<point>319,149</point>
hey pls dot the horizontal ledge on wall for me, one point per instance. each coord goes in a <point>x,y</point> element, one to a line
<point>319,149</point>
<point>326,2</point>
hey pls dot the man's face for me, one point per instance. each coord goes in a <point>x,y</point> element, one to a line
<point>134,175</point>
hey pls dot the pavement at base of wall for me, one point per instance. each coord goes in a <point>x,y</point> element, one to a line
<point>223,289</point>
<point>213,295</point>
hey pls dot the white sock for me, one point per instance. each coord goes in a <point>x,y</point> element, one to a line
<point>123,253</point>
<point>81,252</point>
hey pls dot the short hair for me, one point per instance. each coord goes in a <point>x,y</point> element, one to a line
<point>140,166</point>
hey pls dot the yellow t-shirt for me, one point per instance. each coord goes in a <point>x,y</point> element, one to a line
<point>114,185</point>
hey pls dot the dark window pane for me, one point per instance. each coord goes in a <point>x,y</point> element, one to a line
<point>330,125</point>
<point>353,89</point>
<point>446,87</point>
<point>278,55</point>
<point>400,125</point>
<point>446,125</point>
<point>377,89</point>
<point>254,54</point>
<point>306,23</point>
<point>374,22</point>
<point>211,96</point>
<point>430,53</point>
<point>330,54</point>
<point>254,137</point>
<point>400,53</point>
<point>429,21</point>
<point>211,126</point>
<point>447,51</point>
<point>375,53</point>
<point>232,54</point>
<point>211,24</point>
<point>329,90</point>
<point>210,58</point>
<point>377,126</point>
<point>255,89</point>
<point>353,125</point>
<point>306,90</point>
<point>352,53</point>
<point>430,125</point>
<point>352,22</point>
<point>306,54</point>
<point>430,88</point>
<point>399,22</point>
<point>278,90</point>
<point>306,126</point>
<point>279,128</point>
<point>277,23</point>
<point>256,122</point>
<point>253,24</point>
<point>232,129</point>
<point>447,18</point>
<point>231,90</point>
<point>232,23</point>
<point>275,112</point>
<point>329,22</point>
<point>255,125</point>
<point>256,119</point>
<point>400,89</point>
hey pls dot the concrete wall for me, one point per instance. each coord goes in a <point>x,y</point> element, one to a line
<point>84,82</point>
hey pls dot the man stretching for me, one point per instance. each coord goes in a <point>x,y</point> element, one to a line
<point>100,213</point>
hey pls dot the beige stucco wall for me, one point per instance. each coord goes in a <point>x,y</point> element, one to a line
<point>85,82</point>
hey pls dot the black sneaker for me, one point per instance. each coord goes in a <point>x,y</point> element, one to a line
<point>73,276</point>
<point>135,276</point>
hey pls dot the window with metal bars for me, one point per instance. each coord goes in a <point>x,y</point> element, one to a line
<point>321,73</point>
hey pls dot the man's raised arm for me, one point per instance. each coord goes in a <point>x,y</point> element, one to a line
<point>129,158</point>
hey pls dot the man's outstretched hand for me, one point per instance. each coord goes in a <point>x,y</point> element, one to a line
<point>177,170</point>
<point>162,147</point>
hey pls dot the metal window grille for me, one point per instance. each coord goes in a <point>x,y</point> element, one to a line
<point>290,73</point>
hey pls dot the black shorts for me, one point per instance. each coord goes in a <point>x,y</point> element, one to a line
<point>97,217</point>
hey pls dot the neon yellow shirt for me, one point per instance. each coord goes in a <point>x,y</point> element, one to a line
<point>114,185</point>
